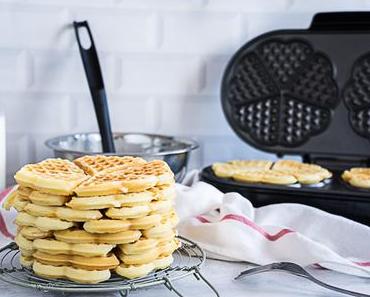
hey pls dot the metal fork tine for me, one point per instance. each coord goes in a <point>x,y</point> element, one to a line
<point>254,270</point>
<point>296,270</point>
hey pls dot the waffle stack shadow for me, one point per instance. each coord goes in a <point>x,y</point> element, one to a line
<point>81,220</point>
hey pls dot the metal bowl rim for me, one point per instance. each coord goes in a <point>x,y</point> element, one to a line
<point>191,144</point>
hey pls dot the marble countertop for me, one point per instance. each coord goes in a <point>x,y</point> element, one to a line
<point>221,274</point>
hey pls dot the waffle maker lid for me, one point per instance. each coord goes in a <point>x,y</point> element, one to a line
<point>304,92</point>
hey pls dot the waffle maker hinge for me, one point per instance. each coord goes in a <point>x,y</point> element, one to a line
<point>341,21</point>
<point>336,163</point>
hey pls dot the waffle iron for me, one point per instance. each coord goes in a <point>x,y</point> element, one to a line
<point>306,93</point>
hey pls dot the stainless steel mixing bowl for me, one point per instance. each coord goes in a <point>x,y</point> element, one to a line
<point>175,151</point>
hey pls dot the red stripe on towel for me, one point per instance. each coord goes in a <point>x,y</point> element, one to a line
<point>4,193</point>
<point>4,228</point>
<point>363,264</point>
<point>251,224</point>
<point>254,226</point>
<point>202,219</point>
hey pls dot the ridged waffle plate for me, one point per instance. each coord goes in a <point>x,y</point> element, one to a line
<point>304,91</point>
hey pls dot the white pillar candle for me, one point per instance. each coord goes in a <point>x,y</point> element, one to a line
<point>2,151</point>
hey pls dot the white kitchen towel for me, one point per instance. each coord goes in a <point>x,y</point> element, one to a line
<point>2,151</point>
<point>7,226</point>
<point>228,227</point>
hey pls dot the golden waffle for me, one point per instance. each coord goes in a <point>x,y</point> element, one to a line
<point>161,231</point>
<point>157,168</point>
<point>141,246</point>
<point>15,200</point>
<point>81,236</point>
<point>25,245</point>
<point>161,170</point>
<point>42,223</point>
<point>106,226</point>
<point>32,233</point>
<point>224,170</point>
<point>92,165</point>
<point>168,247</point>
<point>115,183</point>
<point>47,199</point>
<point>163,262</point>
<point>24,191</point>
<point>55,247</point>
<point>163,192</point>
<point>358,170</point>
<point>228,169</point>
<point>9,201</point>
<point>304,173</point>
<point>63,213</point>
<point>160,206</point>
<point>26,253</point>
<point>54,176</point>
<point>283,172</point>
<point>101,202</point>
<point>89,263</point>
<point>252,164</point>
<point>97,202</point>
<point>74,215</point>
<point>145,222</point>
<point>134,199</point>
<point>74,274</point>
<point>265,176</point>
<point>164,240</point>
<point>357,177</point>
<point>170,217</point>
<point>127,179</point>
<point>308,178</point>
<point>26,261</point>
<point>132,212</point>
<point>138,259</point>
<point>40,211</point>
<point>19,204</point>
<point>134,271</point>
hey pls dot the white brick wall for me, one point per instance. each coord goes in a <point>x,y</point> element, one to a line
<point>161,74</point>
<point>162,61</point>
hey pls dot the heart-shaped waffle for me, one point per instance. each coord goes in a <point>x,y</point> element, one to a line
<point>92,165</point>
<point>54,176</point>
<point>125,179</point>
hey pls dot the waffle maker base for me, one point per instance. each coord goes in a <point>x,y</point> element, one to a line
<point>338,197</point>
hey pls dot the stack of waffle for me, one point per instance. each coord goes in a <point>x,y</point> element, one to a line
<point>80,220</point>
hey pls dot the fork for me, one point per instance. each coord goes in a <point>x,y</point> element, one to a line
<point>297,270</point>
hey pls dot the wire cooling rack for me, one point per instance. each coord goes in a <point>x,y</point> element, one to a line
<point>187,261</point>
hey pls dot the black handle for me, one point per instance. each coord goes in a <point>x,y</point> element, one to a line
<point>95,80</point>
<point>341,21</point>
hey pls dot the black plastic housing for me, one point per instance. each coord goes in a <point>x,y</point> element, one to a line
<point>307,93</point>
